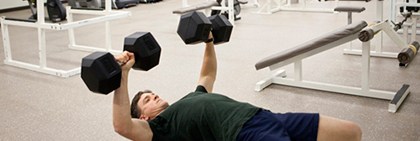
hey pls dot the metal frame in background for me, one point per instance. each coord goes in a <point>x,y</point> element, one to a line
<point>285,5</point>
<point>386,26</point>
<point>108,15</point>
<point>222,8</point>
<point>279,77</point>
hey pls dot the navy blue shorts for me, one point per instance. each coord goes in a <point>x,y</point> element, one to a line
<point>268,126</point>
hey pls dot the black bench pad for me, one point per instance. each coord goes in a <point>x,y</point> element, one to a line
<point>312,44</point>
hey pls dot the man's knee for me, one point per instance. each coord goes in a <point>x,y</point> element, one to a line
<point>337,129</point>
<point>354,131</point>
<point>350,131</point>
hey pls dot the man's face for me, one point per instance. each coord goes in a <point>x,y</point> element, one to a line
<point>151,106</point>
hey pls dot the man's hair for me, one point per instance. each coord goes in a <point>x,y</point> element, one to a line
<point>135,111</point>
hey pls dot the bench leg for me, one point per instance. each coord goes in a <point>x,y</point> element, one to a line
<point>207,11</point>
<point>414,29</point>
<point>269,80</point>
<point>398,98</point>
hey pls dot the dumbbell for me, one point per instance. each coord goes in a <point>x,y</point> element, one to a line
<point>102,74</point>
<point>195,28</point>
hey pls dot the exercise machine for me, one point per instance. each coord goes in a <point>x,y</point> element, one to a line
<point>94,4</point>
<point>104,16</point>
<point>327,41</point>
<point>408,51</point>
<point>236,9</point>
<point>119,4</point>
<point>55,9</point>
<point>390,28</point>
<point>408,5</point>
<point>99,4</point>
<point>272,6</point>
<point>224,6</point>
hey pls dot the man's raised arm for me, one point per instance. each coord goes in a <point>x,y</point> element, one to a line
<point>134,129</point>
<point>209,67</point>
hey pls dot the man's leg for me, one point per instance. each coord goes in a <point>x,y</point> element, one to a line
<point>332,129</point>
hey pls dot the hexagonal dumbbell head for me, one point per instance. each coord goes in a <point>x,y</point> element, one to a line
<point>100,72</point>
<point>145,48</point>
<point>194,27</point>
<point>221,28</point>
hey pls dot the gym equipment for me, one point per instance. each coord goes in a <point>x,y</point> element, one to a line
<point>327,41</point>
<point>411,6</point>
<point>408,53</point>
<point>85,4</point>
<point>102,74</point>
<point>195,27</point>
<point>187,9</point>
<point>146,49</point>
<point>55,9</point>
<point>236,9</point>
<point>31,6</point>
<point>149,1</point>
<point>368,34</point>
<point>349,10</point>
<point>390,28</point>
<point>119,4</point>
<point>207,6</point>
<point>98,4</point>
<point>268,8</point>
<point>102,16</point>
<point>286,5</point>
<point>399,25</point>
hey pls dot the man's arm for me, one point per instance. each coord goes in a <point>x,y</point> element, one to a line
<point>133,129</point>
<point>209,67</point>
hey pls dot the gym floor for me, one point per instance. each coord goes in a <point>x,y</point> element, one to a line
<point>36,106</point>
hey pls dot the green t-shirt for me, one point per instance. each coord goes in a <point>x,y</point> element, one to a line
<point>202,116</point>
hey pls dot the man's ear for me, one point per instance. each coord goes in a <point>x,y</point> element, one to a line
<point>146,118</point>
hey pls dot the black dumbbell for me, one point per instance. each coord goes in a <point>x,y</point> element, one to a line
<point>102,74</point>
<point>195,27</point>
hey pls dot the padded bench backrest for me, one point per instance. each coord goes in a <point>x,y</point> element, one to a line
<point>196,7</point>
<point>312,44</point>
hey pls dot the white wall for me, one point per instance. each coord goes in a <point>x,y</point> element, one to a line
<point>6,4</point>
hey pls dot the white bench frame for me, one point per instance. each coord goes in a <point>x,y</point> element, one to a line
<point>108,15</point>
<point>222,8</point>
<point>378,40</point>
<point>279,76</point>
<point>387,27</point>
<point>268,8</point>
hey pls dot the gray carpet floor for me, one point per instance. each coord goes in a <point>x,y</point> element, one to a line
<point>36,106</point>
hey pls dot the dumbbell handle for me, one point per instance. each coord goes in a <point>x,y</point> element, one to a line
<point>119,63</point>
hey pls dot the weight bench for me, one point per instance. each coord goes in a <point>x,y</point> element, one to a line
<point>349,10</point>
<point>205,5</point>
<point>243,1</point>
<point>272,6</point>
<point>208,6</point>
<point>335,38</point>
